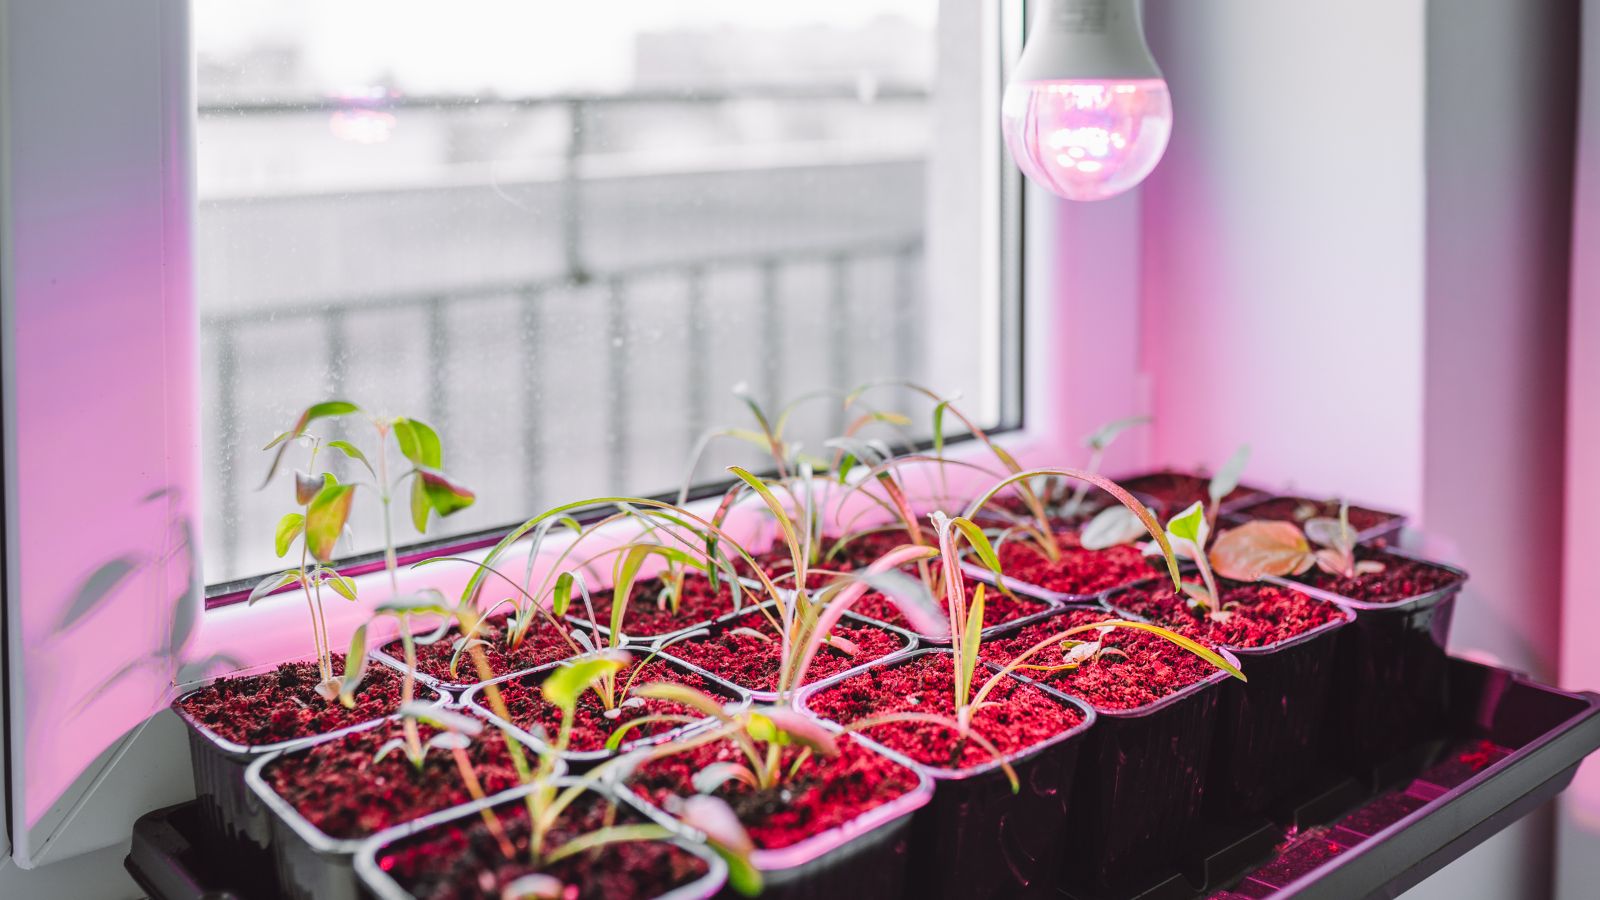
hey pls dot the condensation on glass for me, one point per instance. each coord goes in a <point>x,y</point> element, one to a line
<point>562,233</point>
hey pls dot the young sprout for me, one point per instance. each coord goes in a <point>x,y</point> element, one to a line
<point>454,735</point>
<point>1269,548</point>
<point>326,506</point>
<point>547,798</point>
<point>1189,532</point>
<point>1098,441</point>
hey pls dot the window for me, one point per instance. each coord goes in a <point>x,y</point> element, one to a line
<point>561,234</point>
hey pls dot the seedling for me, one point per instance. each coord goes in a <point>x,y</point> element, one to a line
<point>326,504</point>
<point>1098,441</point>
<point>1189,532</point>
<point>1263,548</point>
<point>546,799</point>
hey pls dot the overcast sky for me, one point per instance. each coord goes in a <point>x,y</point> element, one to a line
<point>507,45</point>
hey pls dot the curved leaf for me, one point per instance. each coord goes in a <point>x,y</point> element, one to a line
<point>354,452</point>
<point>1226,481</point>
<point>324,410</point>
<point>1261,548</point>
<point>1111,527</point>
<point>327,516</point>
<point>1101,437</point>
<point>289,528</point>
<point>785,726</point>
<point>418,443</point>
<point>273,583</point>
<point>567,683</point>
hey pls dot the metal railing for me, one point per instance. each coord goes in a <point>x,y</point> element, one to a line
<point>608,295</point>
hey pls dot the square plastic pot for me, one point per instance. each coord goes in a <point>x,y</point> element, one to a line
<point>378,883</point>
<point>310,865</point>
<point>580,760</point>
<point>907,638</point>
<point>755,594</point>
<point>1383,531</point>
<point>867,856</point>
<point>1270,726</point>
<point>1394,673</point>
<point>978,839</point>
<point>236,819</point>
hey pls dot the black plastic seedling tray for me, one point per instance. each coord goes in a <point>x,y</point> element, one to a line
<point>1512,745</point>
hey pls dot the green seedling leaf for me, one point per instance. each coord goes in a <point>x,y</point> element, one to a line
<point>341,585</point>
<point>697,700</point>
<point>561,599</point>
<point>355,668</point>
<point>980,543</point>
<point>325,410</point>
<point>1191,528</point>
<point>1111,527</point>
<point>418,443</point>
<point>273,583</point>
<point>568,682</point>
<point>970,642</point>
<point>353,452</point>
<point>1226,481</point>
<point>446,496</point>
<point>327,516</point>
<point>289,528</point>
<point>1101,437</point>
<point>1259,549</point>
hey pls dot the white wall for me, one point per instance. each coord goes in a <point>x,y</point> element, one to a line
<point>1283,236</point>
<point>1354,259</point>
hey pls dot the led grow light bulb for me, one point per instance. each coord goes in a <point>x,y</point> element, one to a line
<point>1087,114</point>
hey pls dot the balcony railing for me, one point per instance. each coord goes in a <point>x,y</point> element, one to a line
<point>606,343</point>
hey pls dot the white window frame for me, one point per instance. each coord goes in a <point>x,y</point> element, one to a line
<point>98,98</point>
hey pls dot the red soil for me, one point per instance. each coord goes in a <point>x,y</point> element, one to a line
<point>541,645</point>
<point>1076,571</point>
<point>1153,669</point>
<point>754,664</point>
<point>343,791</point>
<point>856,553</point>
<point>590,727</point>
<point>1401,579</point>
<point>1262,614</point>
<point>1021,716</point>
<point>1299,509</point>
<point>464,862</point>
<point>283,705</point>
<point>824,794</point>
<point>648,616</point>
<point>1177,491</point>
<point>997,607</point>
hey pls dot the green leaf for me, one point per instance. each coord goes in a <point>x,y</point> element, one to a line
<point>1190,525</point>
<point>785,727</point>
<point>938,427</point>
<point>562,598</point>
<point>354,452</point>
<point>323,410</point>
<point>355,667</point>
<point>272,583</point>
<point>1227,478</point>
<point>622,586</point>
<point>970,642</point>
<point>289,528</point>
<point>419,443</point>
<point>1101,437</point>
<point>569,680</point>
<point>341,585</point>
<point>980,543</point>
<point>326,517</point>
<point>420,507</point>
<point>445,496</point>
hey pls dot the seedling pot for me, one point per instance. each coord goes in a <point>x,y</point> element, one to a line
<point>375,877</point>
<point>976,838</point>
<point>1385,530</point>
<point>310,865</point>
<point>1394,673</point>
<point>1270,726</point>
<point>234,816</point>
<point>581,760</point>
<point>908,642</point>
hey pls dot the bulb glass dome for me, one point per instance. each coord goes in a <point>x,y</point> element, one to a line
<point>1087,139</point>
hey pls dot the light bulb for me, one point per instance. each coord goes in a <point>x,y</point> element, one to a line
<point>1087,114</point>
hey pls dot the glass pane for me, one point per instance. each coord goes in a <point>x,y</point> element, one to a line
<point>562,233</point>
